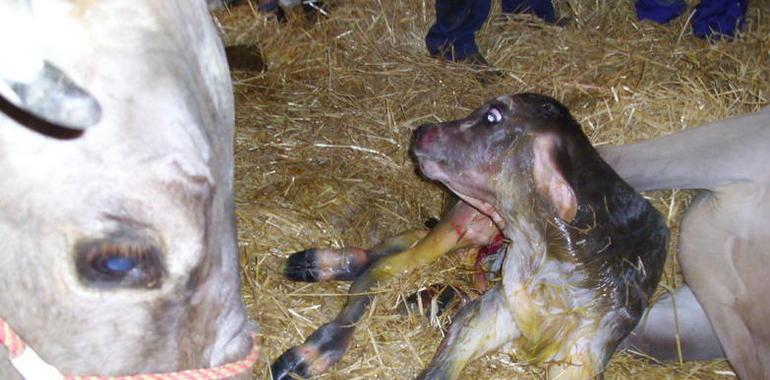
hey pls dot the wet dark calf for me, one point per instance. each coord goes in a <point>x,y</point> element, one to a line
<point>586,250</point>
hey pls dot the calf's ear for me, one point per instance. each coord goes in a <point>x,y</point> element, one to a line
<point>549,179</point>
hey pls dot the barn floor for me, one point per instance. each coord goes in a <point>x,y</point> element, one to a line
<point>322,138</point>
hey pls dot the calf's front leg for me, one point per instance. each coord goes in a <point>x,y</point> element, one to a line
<point>344,264</point>
<point>463,227</point>
<point>481,326</point>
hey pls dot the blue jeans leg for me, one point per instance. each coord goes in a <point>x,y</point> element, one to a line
<point>457,21</point>
<point>660,11</point>
<point>540,8</point>
<point>719,18</point>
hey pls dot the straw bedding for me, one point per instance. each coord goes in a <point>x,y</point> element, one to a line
<point>322,147</point>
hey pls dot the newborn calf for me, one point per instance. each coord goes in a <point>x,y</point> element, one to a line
<point>586,251</point>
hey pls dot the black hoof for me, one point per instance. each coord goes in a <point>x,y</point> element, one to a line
<point>431,222</point>
<point>303,266</point>
<point>444,296</point>
<point>316,265</point>
<point>322,349</point>
<point>290,366</point>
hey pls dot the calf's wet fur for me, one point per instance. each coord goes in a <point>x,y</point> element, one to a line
<point>586,251</point>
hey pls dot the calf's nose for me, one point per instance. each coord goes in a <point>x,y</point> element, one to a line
<point>423,136</point>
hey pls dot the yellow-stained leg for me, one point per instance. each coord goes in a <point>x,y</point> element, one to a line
<point>462,227</point>
<point>344,264</point>
<point>576,367</point>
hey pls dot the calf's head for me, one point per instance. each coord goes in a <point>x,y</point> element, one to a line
<point>510,154</point>
<point>118,252</point>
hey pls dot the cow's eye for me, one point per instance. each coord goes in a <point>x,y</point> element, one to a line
<point>493,116</point>
<point>116,265</point>
<point>119,262</point>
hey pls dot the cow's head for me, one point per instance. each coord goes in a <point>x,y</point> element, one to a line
<point>117,237</point>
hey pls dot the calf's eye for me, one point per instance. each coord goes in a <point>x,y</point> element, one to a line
<point>493,116</point>
<point>119,261</point>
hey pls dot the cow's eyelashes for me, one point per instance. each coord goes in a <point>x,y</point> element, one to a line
<point>493,116</point>
<point>107,263</point>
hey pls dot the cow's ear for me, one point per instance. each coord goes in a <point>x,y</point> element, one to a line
<point>549,179</point>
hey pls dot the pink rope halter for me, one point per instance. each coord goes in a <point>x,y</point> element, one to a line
<point>32,367</point>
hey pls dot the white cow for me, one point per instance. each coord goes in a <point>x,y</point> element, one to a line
<point>118,247</point>
<point>724,243</point>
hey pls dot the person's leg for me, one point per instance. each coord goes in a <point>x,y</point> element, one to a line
<point>540,8</point>
<point>660,11</point>
<point>457,21</point>
<point>718,18</point>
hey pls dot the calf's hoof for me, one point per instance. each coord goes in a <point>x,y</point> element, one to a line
<point>303,266</point>
<point>322,349</point>
<point>316,265</point>
<point>289,366</point>
<point>432,301</point>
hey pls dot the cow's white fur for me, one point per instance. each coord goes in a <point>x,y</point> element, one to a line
<point>161,157</point>
<point>724,241</point>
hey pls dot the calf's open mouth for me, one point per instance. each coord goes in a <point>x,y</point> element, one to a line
<point>433,170</point>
